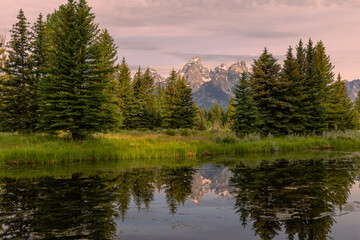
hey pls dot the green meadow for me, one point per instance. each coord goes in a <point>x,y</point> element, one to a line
<point>162,146</point>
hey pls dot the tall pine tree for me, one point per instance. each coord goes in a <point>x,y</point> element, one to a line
<point>318,75</point>
<point>170,118</point>
<point>38,61</point>
<point>186,109</point>
<point>74,92</point>
<point>295,95</point>
<point>159,102</point>
<point>107,60</point>
<point>146,97</point>
<point>340,110</point>
<point>125,93</point>
<point>246,118</point>
<point>17,88</point>
<point>230,113</point>
<point>267,90</point>
<point>357,102</point>
<point>136,104</point>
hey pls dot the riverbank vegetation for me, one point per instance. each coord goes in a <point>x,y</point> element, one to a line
<point>160,146</point>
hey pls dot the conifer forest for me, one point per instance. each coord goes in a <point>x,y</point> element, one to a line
<point>62,74</point>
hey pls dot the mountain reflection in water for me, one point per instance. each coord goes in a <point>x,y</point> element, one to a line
<point>310,199</point>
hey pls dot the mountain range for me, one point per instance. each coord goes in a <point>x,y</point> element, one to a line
<point>210,179</point>
<point>215,86</point>
<point>209,86</point>
<point>353,88</point>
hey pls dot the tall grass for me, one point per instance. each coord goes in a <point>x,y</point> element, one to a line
<point>44,149</point>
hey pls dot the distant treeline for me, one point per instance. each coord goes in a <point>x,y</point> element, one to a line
<point>301,97</point>
<point>60,75</point>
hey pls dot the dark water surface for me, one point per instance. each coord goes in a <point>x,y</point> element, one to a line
<point>312,199</point>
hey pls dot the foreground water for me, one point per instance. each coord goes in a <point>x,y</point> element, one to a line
<point>229,199</point>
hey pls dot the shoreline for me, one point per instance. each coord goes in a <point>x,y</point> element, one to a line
<point>18,149</point>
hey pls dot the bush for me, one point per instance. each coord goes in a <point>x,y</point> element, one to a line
<point>143,129</point>
<point>226,138</point>
<point>341,135</point>
<point>158,129</point>
<point>252,137</point>
<point>185,132</point>
<point>170,132</point>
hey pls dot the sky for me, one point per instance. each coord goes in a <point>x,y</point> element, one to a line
<point>167,33</point>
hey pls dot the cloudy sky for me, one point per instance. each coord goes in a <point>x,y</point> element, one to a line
<point>167,33</point>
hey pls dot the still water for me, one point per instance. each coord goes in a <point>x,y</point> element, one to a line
<point>279,199</point>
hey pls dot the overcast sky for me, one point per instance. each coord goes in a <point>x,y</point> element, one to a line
<point>167,33</point>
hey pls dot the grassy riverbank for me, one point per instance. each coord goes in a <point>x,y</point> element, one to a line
<point>44,149</point>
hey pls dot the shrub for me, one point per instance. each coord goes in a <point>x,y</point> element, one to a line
<point>252,137</point>
<point>185,132</point>
<point>170,132</point>
<point>226,138</point>
<point>143,129</point>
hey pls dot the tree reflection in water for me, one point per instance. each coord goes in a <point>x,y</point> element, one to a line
<point>83,206</point>
<point>291,197</point>
<point>297,196</point>
<point>52,208</point>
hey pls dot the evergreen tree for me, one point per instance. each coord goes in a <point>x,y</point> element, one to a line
<point>142,104</point>
<point>17,88</point>
<point>318,77</point>
<point>203,119</point>
<point>222,117</point>
<point>146,96</point>
<point>108,57</point>
<point>147,88</point>
<point>185,106</point>
<point>159,109</point>
<point>246,116</point>
<point>179,107</point>
<point>216,116</point>
<point>267,90</point>
<point>301,58</point>
<point>303,90</point>
<point>125,91</point>
<point>357,111</point>
<point>136,83</point>
<point>340,110</point>
<point>74,93</point>
<point>295,96</point>
<point>357,102</point>
<point>136,105</point>
<point>171,117</point>
<point>197,119</point>
<point>230,113</point>
<point>38,61</point>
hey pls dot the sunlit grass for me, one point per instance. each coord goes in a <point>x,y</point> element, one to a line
<point>130,145</point>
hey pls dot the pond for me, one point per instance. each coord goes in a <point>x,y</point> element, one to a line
<point>213,199</point>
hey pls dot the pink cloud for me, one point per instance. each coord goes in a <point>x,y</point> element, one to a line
<point>148,30</point>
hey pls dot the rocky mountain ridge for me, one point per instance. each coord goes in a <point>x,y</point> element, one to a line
<point>208,179</point>
<point>215,86</point>
<point>353,88</point>
<point>195,73</point>
<point>210,87</point>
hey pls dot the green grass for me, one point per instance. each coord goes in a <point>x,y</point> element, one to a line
<point>145,146</point>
